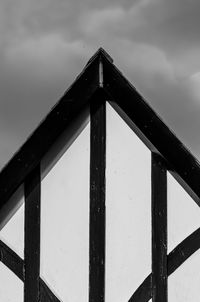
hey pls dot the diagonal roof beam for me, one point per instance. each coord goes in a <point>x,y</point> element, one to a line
<point>60,118</point>
<point>151,129</point>
<point>100,74</point>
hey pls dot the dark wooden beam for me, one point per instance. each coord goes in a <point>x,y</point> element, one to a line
<point>130,105</point>
<point>13,262</point>
<point>32,236</point>
<point>46,295</point>
<point>159,229</point>
<point>175,259</point>
<point>139,115</point>
<point>97,198</point>
<point>183,251</point>
<point>144,292</point>
<point>60,118</point>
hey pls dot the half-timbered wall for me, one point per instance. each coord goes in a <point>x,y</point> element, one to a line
<point>100,216</point>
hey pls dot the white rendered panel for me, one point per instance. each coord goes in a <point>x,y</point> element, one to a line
<point>183,284</point>
<point>11,289</point>
<point>183,213</point>
<point>13,231</point>
<point>65,222</point>
<point>128,210</point>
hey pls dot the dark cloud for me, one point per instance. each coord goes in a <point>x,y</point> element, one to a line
<point>170,24</point>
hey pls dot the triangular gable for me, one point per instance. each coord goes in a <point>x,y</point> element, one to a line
<point>100,77</point>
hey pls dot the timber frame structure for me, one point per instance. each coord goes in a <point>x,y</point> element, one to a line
<point>100,82</point>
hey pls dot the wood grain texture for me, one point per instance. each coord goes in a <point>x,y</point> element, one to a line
<point>97,199</point>
<point>159,229</point>
<point>32,188</point>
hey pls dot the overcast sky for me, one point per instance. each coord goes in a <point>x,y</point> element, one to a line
<point>44,44</point>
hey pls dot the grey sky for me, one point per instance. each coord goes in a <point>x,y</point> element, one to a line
<point>44,44</point>
<point>156,44</point>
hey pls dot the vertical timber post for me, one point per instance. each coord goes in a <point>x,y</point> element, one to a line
<point>32,236</point>
<point>159,230</point>
<point>97,198</point>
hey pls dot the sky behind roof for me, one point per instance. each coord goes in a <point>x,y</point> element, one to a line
<point>44,44</point>
<point>155,43</point>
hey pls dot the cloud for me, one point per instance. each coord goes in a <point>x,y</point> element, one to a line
<point>46,55</point>
<point>195,86</point>
<point>172,25</point>
<point>45,44</point>
<point>144,59</point>
<point>113,20</point>
<point>97,21</point>
<point>35,72</point>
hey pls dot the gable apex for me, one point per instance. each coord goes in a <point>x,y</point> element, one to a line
<point>100,53</point>
<point>101,79</point>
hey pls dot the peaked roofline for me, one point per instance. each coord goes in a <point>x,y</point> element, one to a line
<point>100,75</point>
<point>100,53</point>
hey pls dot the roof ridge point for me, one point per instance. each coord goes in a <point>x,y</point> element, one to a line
<point>100,53</point>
